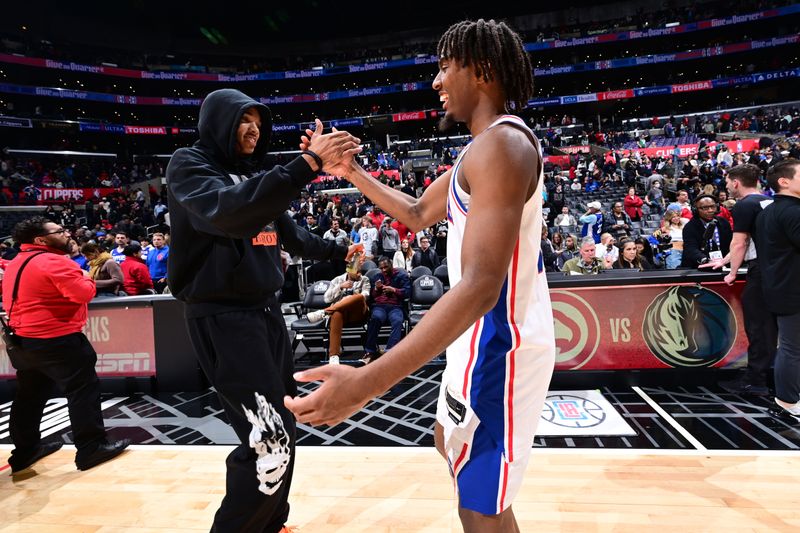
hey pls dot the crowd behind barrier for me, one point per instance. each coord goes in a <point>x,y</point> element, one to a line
<point>588,179</point>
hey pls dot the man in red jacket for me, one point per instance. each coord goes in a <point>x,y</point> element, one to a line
<point>47,317</point>
<point>136,275</point>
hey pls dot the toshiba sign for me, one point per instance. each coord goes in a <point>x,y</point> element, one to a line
<point>692,86</point>
<point>145,130</point>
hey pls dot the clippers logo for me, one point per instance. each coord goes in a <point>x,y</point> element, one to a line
<point>577,329</point>
<point>426,282</point>
<point>320,288</point>
<point>689,327</point>
<point>572,412</point>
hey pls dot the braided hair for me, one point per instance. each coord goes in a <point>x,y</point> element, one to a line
<point>494,50</point>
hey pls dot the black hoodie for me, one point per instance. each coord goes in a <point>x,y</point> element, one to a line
<point>228,216</point>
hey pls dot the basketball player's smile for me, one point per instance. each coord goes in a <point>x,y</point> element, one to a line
<point>444,99</point>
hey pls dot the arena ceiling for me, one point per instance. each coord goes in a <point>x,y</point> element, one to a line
<point>234,24</point>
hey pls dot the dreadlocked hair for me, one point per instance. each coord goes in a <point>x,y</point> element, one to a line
<point>494,50</point>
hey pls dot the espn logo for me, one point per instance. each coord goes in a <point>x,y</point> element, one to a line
<point>139,363</point>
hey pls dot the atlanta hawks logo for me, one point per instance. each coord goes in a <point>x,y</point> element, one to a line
<point>577,329</point>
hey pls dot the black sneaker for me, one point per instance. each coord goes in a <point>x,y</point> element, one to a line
<point>784,415</point>
<point>743,387</point>
<point>101,454</point>
<point>18,464</point>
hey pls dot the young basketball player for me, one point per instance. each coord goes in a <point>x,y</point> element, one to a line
<point>495,322</point>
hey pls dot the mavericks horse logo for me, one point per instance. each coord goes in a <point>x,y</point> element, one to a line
<point>689,326</point>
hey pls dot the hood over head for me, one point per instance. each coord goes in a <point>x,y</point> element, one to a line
<point>220,114</point>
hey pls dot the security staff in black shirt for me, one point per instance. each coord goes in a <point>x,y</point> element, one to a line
<point>778,244</point>
<point>229,222</point>
<point>759,324</point>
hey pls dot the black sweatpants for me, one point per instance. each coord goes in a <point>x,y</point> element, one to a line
<point>761,328</point>
<point>66,362</point>
<point>247,358</point>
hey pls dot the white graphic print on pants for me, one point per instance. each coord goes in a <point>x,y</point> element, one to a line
<point>270,441</point>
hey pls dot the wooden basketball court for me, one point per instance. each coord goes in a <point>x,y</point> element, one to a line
<point>382,490</point>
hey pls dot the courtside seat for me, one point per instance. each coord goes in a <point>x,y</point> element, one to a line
<point>425,291</point>
<point>418,272</point>
<point>310,335</point>
<point>442,274</point>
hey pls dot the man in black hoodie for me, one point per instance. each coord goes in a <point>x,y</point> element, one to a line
<point>229,222</point>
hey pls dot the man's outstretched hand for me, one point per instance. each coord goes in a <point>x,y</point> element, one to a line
<point>338,148</point>
<point>341,394</point>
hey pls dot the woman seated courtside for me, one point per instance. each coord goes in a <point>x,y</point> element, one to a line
<point>630,258</point>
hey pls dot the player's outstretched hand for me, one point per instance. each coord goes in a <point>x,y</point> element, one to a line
<point>338,161</point>
<point>341,394</point>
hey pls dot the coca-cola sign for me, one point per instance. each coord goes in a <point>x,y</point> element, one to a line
<point>414,115</point>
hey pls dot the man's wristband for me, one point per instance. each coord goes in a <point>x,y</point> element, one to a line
<point>317,159</point>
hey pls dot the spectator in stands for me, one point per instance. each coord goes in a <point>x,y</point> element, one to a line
<point>7,250</point>
<point>376,216</point>
<point>592,221</point>
<point>368,237</point>
<point>392,288</point>
<point>312,227</point>
<point>607,247</point>
<point>549,256</point>
<point>633,205</point>
<point>425,256</point>
<point>105,272</point>
<point>575,186</point>
<point>403,258</point>
<point>682,199</point>
<point>655,198</point>
<point>630,258</point>
<point>68,218</point>
<point>402,230</point>
<point>157,260</point>
<point>347,297</point>
<point>565,219</point>
<point>617,223</point>
<point>440,231</point>
<point>557,241</point>
<point>337,234</point>
<point>136,277</point>
<point>672,225</point>
<point>569,251</point>
<point>160,211</point>
<point>76,255</point>
<point>390,239</point>
<point>121,240</point>
<point>706,237</point>
<point>645,249</point>
<point>146,247</point>
<point>587,262</point>
<point>47,317</point>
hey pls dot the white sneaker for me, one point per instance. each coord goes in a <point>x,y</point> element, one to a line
<point>316,316</point>
<point>791,408</point>
<point>333,360</point>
